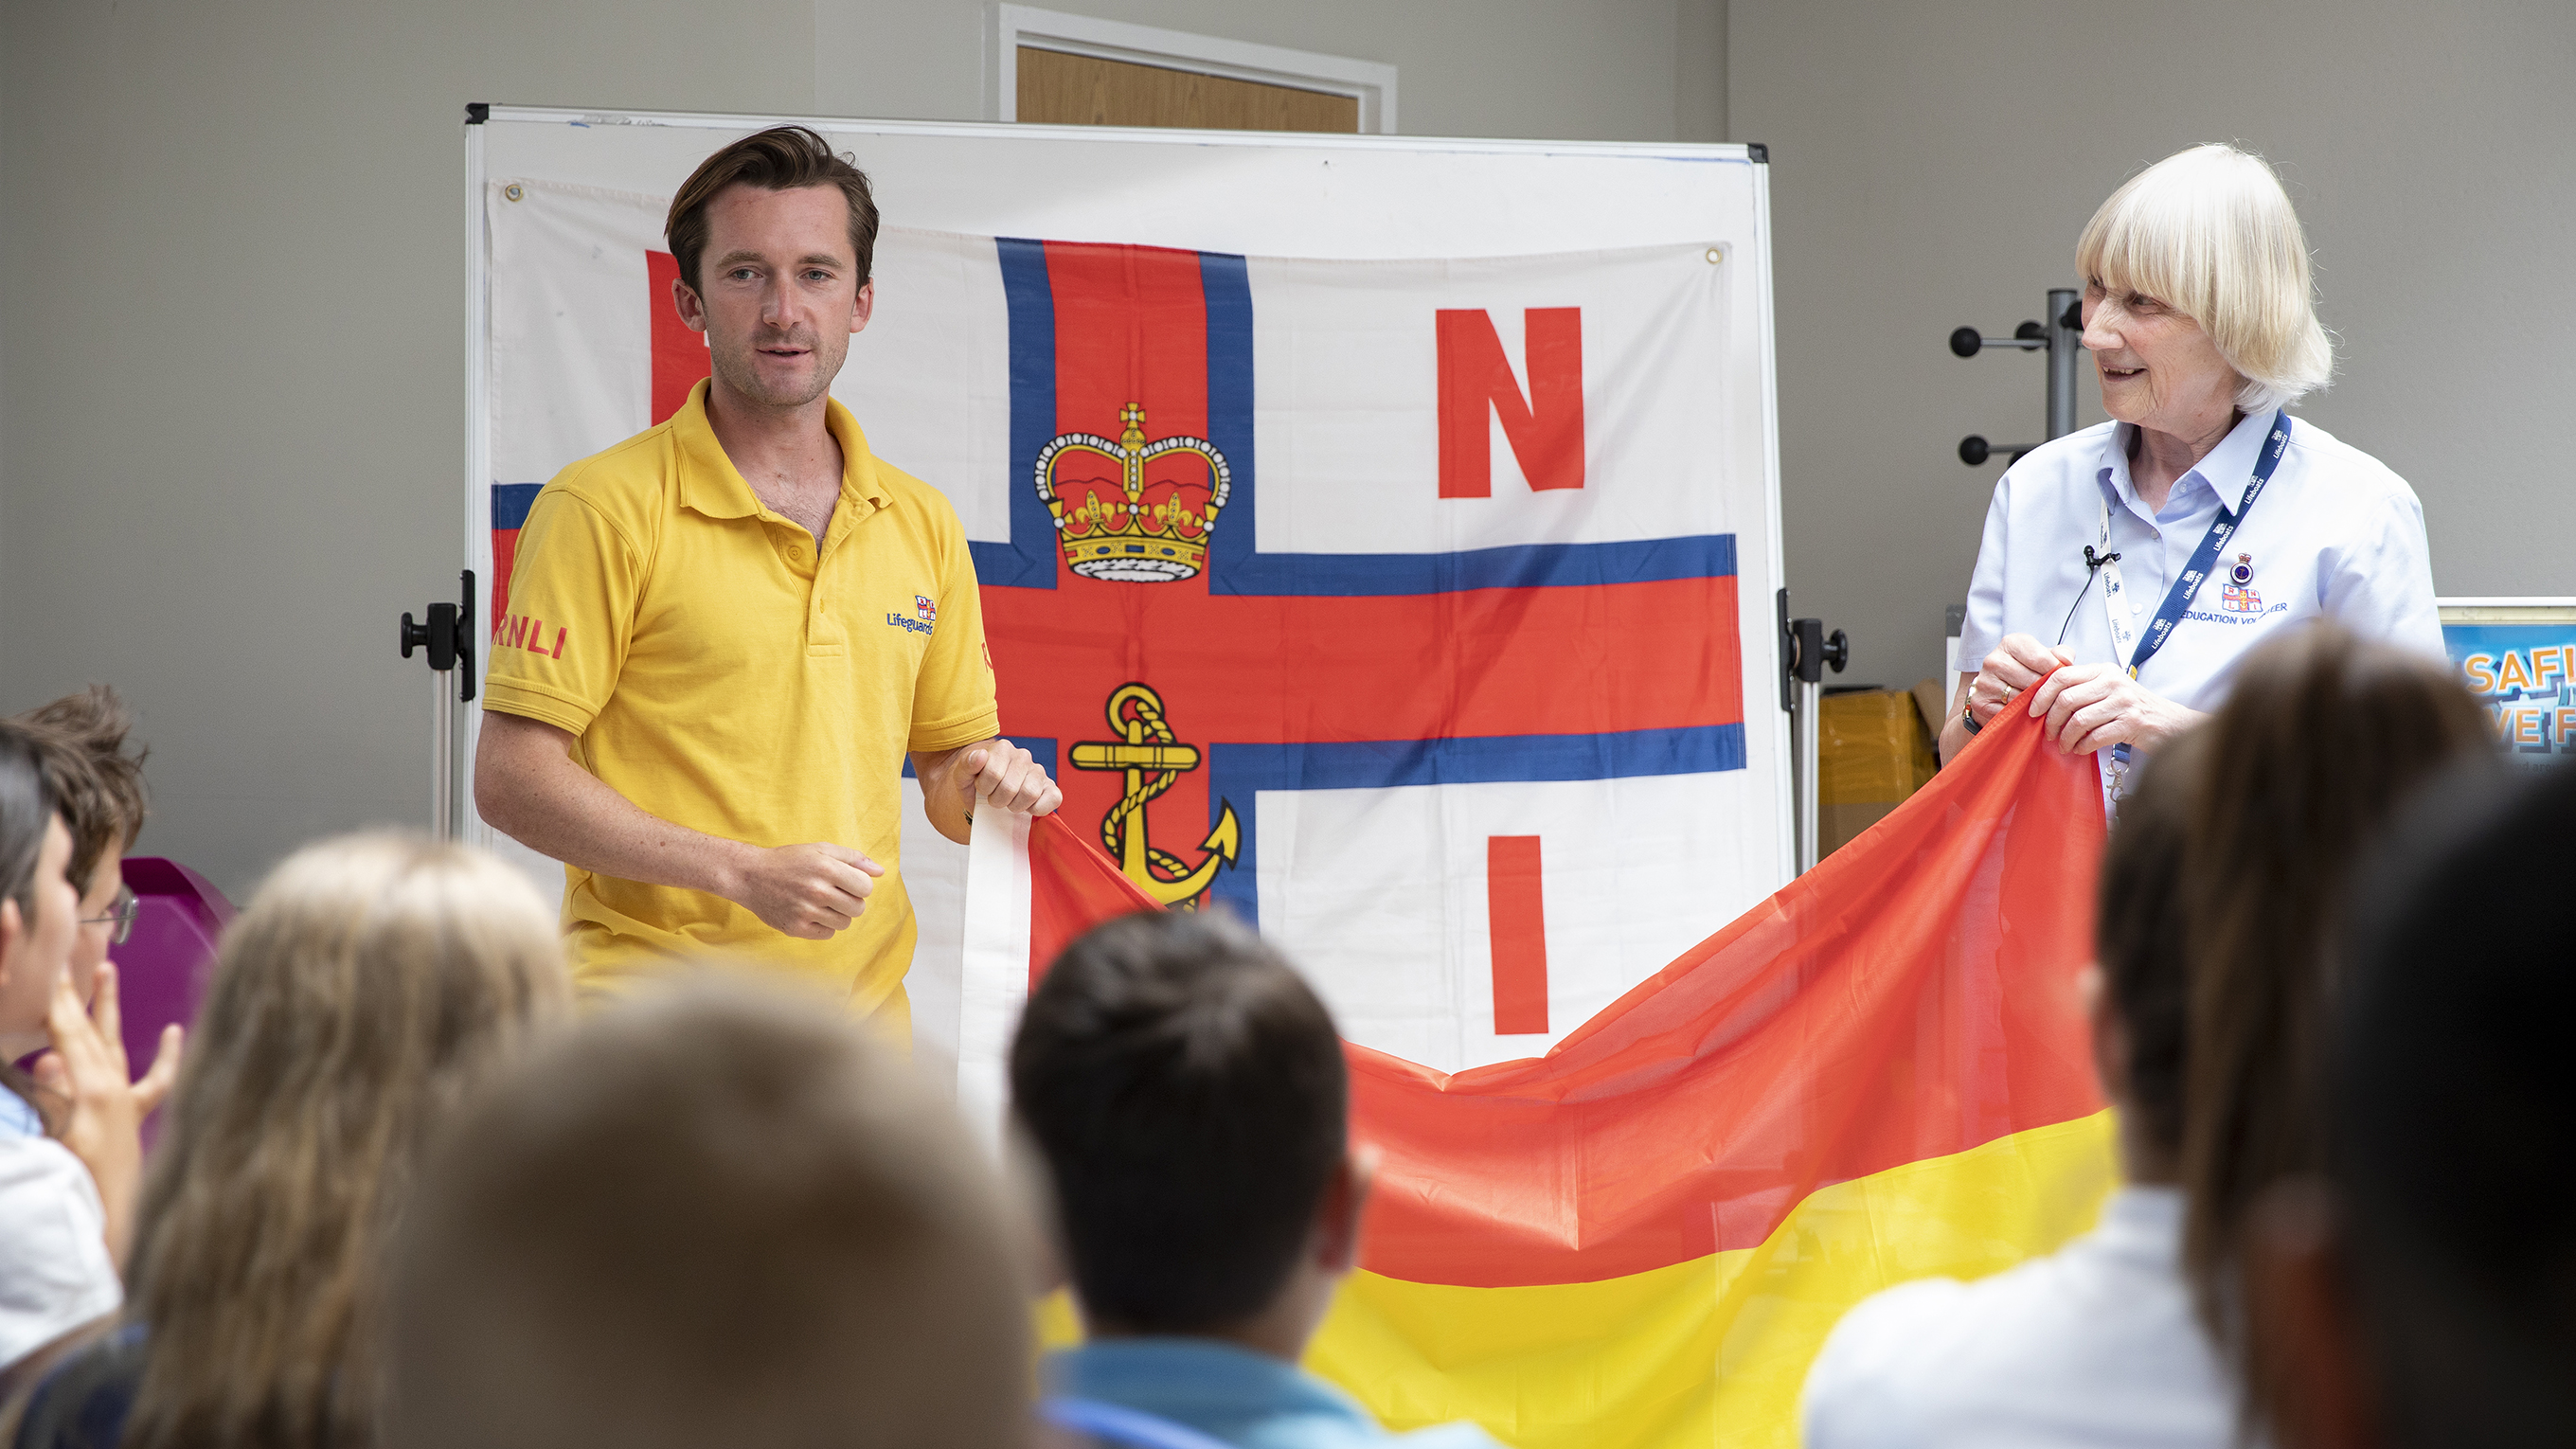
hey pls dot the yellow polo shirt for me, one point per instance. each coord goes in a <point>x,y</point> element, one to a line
<point>722,674</point>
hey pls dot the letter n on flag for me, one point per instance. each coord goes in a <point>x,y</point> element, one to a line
<point>1545,428</point>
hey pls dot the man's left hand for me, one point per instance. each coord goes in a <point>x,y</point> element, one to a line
<point>1001,775</point>
<point>2095,706</point>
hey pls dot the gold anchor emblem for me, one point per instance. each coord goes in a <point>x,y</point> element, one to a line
<point>1153,760</point>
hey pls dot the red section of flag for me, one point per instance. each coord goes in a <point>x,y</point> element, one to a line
<point>1072,888</point>
<point>679,355</point>
<point>1545,429</point>
<point>505,552</point>
<point>1912,997</point>
<point>1518,927</point>
<point>1130,326</point>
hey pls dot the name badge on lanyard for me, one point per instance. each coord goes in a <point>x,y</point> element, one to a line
<point>2131,649</point>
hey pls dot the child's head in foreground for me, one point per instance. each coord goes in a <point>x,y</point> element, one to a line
<point>1188,1093</point>
<point>714,1215</point>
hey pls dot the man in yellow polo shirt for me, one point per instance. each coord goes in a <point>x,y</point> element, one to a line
<point>726,633</point>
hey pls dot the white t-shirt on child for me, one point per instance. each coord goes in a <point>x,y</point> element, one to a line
<point>2093,1347</point>
<point>55,1274</point>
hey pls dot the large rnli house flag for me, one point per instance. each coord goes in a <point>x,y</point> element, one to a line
<point>1391,604</point>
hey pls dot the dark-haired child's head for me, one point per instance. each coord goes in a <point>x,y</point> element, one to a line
<point>38,902</point>
<point>1187,1091</point>
<point>2425,1294</point>
<point>2142,946</point>
<point>98,786</point>
<point>2323,738</point>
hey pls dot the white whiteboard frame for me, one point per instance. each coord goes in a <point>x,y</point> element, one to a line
<point>1763,666</point>
<point>465,822</point>
<point>1008,28</point>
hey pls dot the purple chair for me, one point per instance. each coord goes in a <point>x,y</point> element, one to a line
<point>162,966</point>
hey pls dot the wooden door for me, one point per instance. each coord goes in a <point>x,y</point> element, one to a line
<point>1081,90</point>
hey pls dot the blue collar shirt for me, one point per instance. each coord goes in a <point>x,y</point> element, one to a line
<point>55,1274</point>
<point>1245,1399</point>
<point>2336,535</point>
<point>18,1117</point>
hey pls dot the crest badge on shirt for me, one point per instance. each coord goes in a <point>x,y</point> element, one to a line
<point>924,615</point>
<point>2239,596</point>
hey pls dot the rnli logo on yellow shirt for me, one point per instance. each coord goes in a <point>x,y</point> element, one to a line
<point>924,615</point>
<point>522,631</point>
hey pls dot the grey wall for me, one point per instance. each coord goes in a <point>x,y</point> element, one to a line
<point>1608,70</point>
<point>231,338</point>
<point>232,334</point>
<point>1932,164</point>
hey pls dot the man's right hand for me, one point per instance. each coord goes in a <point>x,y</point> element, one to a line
<point>528,786</point>
<point>808,891</point>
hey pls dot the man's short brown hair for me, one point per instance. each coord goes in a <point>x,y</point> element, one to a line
<point>782,158</point>
<point>713,1215</point>
<point>96,784</point>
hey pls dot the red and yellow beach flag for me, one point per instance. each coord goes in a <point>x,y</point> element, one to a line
<point>1642,1237</point>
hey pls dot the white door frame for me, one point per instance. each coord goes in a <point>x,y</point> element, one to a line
<point>1007,28</point>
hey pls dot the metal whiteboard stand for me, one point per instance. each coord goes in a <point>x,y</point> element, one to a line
<point>2062,337</point>
<point>449,638</point>
<point>1805,650</point>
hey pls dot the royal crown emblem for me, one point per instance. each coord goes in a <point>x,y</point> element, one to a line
<point>1131,511</point>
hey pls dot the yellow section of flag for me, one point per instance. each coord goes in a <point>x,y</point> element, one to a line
<point>1712,1351</point>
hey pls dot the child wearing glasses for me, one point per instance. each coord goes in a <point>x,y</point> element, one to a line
<point>102,806</point>
<point>71,1153</point>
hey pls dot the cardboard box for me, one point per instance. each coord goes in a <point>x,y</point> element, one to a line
<point>1874,750</point>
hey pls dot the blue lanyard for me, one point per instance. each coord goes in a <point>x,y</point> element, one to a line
<point>2205,557</point>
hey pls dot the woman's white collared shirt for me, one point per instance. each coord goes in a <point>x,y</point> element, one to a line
<point>2335,535</point>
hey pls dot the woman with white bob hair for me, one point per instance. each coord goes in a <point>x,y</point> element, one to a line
<point>2142,559</point>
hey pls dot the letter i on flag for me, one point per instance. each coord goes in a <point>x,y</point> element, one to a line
<point>1642,1237</point>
